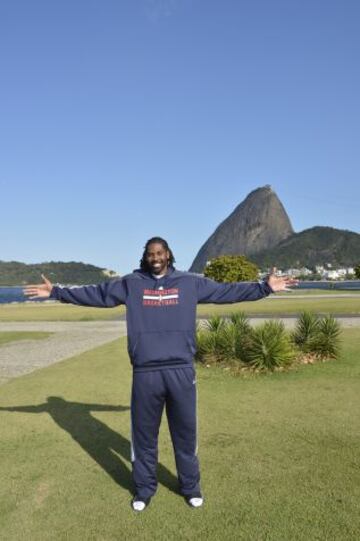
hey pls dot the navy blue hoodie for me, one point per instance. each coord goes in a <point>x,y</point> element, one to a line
<point>161,312</point>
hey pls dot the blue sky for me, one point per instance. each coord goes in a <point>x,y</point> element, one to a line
<point>121,120</point>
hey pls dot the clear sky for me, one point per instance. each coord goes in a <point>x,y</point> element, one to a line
<point>125,119</point>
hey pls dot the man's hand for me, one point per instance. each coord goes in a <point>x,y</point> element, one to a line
<point>40,290</point>
<point>280,283</point>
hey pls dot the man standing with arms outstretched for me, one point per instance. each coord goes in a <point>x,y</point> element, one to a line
<point>161,324</point>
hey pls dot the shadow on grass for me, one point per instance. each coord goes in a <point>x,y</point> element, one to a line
<point>107,447</point>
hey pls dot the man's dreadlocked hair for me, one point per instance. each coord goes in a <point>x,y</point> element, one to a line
<point>158,240</point>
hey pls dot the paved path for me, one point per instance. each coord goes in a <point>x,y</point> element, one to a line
<point>72,338</point>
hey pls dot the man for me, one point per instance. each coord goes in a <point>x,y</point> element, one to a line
<point>161,324</point>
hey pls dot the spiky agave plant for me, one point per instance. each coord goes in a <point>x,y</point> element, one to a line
<point>204,344</point>
<point>271,346</point>
<point>239,319</point>
<point>216,341</point>
<point>242,336</point>
<point>327,342</point>
<point>214,323</point>
<point>306,331</point>
<point>223,340</point>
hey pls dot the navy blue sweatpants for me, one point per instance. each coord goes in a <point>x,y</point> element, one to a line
<point>174,388</point>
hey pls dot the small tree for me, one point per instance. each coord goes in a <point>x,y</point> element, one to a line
<point>357,271</point>
<point>231,268</point>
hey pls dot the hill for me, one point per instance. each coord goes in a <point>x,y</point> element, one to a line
<point>260,229</point>
<point>15,273</point>
<point>315,246</point>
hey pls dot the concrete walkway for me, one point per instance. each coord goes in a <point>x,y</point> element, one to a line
<point>70,338</point>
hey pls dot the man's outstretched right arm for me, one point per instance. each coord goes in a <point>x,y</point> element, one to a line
<point>104,295</point>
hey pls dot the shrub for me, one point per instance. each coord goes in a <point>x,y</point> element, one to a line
<point>266,346</point>
<point>220,343</point>
<point>242,336</point>
<point>231,268</point>
<point>317,336</point>
<point>225,340</point>
<point>306,331</point>
<point>271,346</point>
<point>204,345</point>
<point>215,324</point>
<point>327,342</point>
<point>211,345</point>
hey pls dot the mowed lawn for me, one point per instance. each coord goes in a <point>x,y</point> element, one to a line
<point>15,336</point>
<point>279,454</point>
<point>56,311</point>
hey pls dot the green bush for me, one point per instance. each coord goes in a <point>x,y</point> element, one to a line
<point>306,331</point>
<point>220,339</point>
<point>204,348</point>
<point>231,268</point>
<point>269,345</point>
<point>242,336</point>
<point>226,340</point>
<point>327,342</point>
<point>317,336</point>
<point>215,323</point>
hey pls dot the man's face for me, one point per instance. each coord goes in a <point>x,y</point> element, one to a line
<point>157,258</point>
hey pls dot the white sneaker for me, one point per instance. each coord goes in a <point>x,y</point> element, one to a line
<point>139,504</point>
<point>195,501</point>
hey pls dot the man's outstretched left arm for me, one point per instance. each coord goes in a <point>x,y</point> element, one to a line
<point>210,291</point>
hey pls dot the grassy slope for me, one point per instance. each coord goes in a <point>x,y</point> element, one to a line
<point>279,454</point>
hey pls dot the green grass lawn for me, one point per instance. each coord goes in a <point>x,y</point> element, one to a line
<point>285,306</point>
<point>276,305</point>
<point>15,336</point>
<point>57,312</point>
<point>297,291</point>
<point>279,454</point>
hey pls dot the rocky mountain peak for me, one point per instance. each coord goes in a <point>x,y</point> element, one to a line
<point>258,222</point>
